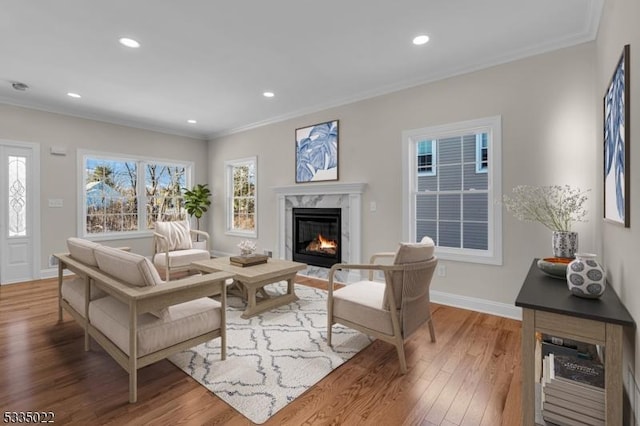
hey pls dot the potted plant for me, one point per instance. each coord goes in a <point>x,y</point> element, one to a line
<point>556,207</point>
<point>197,201</point>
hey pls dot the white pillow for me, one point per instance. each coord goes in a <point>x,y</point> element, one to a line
<point>177,234</point>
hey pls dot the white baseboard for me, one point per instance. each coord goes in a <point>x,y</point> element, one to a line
<point>449,299</point>
<point>217,253</point>
<point>479,305</point>
<point>53,273</point>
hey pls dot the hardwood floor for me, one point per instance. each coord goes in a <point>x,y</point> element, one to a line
<point>470,376</point>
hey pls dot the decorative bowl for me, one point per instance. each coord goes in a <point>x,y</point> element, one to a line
<point>555,267</point>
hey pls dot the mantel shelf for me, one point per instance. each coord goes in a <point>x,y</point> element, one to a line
<point>321,188</point>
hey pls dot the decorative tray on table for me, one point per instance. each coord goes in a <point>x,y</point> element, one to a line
<point>555,267</point>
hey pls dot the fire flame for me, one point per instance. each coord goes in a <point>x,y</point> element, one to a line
<point>326,244</point>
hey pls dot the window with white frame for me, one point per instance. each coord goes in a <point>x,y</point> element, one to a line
<point>242,190</point>
<point>127,195</point>
<point>426,158</point>
<point>482,153</point>
<point>453,201</point>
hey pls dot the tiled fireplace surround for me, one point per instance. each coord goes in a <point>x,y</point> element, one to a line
<point>346,196</point>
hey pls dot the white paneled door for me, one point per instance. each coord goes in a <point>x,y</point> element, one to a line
<point>20,210</point>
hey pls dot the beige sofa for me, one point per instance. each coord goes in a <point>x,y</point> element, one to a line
<point>120,300</point>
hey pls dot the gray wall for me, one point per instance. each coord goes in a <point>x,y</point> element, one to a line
<point>59,173</point>
<point>621,246</point>
<point>549,137</point>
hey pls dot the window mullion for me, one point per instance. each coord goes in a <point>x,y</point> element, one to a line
<point>463,191</point>
<point>141,191</point>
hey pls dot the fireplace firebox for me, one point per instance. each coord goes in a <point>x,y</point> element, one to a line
<point>317,236</point>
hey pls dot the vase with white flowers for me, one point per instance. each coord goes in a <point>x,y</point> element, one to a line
<point>247,247</point>
<point>557,207</point>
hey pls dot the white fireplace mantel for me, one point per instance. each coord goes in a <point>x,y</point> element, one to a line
<point>321,189</point>
<point>353,191</point>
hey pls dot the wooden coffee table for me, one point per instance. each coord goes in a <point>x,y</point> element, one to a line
<point>252,279</point>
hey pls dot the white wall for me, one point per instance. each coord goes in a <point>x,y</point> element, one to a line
<point>59,173</point>
<point>621,246</point>
<point>547,109</point>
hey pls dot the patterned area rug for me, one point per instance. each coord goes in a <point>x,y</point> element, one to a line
<point>274,357</point>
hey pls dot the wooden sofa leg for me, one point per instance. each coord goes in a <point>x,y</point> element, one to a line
<point>60,278</point>
<point>432,331</point>
<point>401,358</point>
<point>133,352</point>
<point>133,386</point>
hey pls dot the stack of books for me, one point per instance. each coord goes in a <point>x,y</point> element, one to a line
<point>248,260</point>
<point>572,391</point>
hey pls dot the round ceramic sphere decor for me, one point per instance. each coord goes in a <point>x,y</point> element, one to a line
<point>585,277</point>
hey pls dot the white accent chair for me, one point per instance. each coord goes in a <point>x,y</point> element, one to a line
<point>390,310</point>
<point>173,247</point>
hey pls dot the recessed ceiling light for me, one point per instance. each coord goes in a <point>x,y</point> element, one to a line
<point>19,86</point>
<point>420,40</point>
<point>129,42</point>
<point>191,121</point>
<point>73,95</point>
<point>268,94</point>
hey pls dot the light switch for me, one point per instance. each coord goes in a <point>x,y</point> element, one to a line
<point>55,202</point>
<point>373,206</point>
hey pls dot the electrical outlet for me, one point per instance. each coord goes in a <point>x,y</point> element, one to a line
<point>53,261</point>
<point>268,253</point>
<point>442,270</point>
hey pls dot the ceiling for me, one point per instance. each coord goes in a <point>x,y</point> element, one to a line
<point>211,60</point>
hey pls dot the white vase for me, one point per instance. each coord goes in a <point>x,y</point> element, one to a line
<point>564,244</point>
<point>585,277</point>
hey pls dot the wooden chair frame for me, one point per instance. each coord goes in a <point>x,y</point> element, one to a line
<point>141,300</point>
<point>171,269</point>
<point>397,338</point>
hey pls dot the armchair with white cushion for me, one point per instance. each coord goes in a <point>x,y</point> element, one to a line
<point>173,248</point>
<point>391,310</point>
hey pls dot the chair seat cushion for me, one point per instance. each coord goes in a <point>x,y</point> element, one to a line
<point>73,292</point>
<point>180,258</point>
<point>361,303</point>
<point>183,321</point>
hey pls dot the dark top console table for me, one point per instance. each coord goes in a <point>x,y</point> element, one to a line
<point>548,307</point>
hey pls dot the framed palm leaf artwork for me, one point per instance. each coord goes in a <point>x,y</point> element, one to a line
<point>616,144</point>
<point>317,152</point>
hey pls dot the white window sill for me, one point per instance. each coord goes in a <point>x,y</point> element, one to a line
<point>119,236</point>
<point>470,256</point>
<point>245,234</point>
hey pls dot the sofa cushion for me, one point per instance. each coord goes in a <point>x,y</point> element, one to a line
<point>184,321</point>
<point>73,292</point>
<point>178,236</point>
<point>130,268</point>
<point>82,250</point>
<point>361,302</point>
